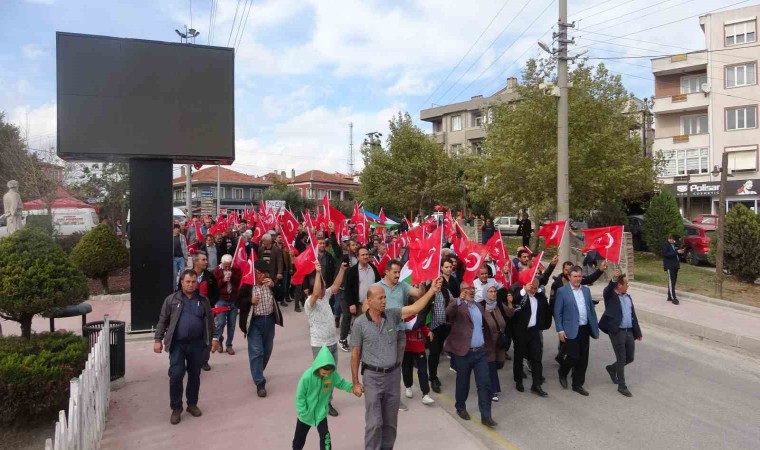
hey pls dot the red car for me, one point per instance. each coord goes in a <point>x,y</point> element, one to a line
<point>708,221</point>
<point>696,242</point>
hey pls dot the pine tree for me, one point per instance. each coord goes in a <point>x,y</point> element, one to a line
<point>741,249</point>
<point>661,220</point>
<point>99,254</point>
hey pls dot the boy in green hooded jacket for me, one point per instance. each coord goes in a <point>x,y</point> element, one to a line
<point>313,397</point>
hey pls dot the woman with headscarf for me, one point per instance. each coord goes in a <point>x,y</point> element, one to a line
<point>495,324</point>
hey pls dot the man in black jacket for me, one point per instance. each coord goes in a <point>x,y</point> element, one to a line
<point>670,264</point>
<point>524,229</point>
<point>207,287</point>
<point>619,321</point>
<point>530,315</point>
<point>358,280</point>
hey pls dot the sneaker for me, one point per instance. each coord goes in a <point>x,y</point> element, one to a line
<point>452,369</point>
<point>344,345</point>
<point>332,411</point>
<point>408,393</point>
<point>427,400</point>
<point>495,398</point>
<point>402,406</point>
<point>176,416</point>
<point>436,386</point>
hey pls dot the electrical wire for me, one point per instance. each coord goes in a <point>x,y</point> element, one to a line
<point>234,19</point>
<point>245,22</point>
<point>464,56</point>
<point>638,16</point>
<point>600,12</point>
<point>503,30</point>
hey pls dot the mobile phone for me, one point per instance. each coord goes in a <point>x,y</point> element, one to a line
<point>346,259</point>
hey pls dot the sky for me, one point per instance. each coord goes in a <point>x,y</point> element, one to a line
<point>305,69</point>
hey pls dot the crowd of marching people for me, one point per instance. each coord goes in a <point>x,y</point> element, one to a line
<point>398,301</point>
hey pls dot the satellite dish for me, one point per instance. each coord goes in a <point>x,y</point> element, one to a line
<point>705,87</point>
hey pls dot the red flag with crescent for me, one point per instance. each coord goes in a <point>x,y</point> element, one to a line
<point>553,232</point>
<point>607,241</point>
<point>289,227</point>
<point>448,225</point>
<point>249,276</point>
<point>527,275</point>
<point>425,257</point>
<point>473,256</point>
<point>304,264</point>
<point>381,263</point>
<point>240,258</point>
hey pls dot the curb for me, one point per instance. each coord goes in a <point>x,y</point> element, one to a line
<point>697,297</point>
<point>748,344</point>
<point>111,298</point>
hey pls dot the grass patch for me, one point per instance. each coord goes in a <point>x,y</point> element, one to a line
<point>695,279</point>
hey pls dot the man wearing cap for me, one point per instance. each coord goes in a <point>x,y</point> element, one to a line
<point>273,256</point>
<point>258,315</point>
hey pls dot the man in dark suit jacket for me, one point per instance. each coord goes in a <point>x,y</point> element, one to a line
<point>524,229</point>
<point>670,264</point>
<point>619,321</point>
<point>530,315</point>
<point>351,301</point>
<point>575,320</point>
<point>467,343</point>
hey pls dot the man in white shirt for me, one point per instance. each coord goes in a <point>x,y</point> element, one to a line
<point>482,283</point>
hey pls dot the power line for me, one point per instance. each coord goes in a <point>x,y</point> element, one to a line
<point>500,75</point>
<point>636,12</point>
<point>234,19</point>
<point>670,54</point>
<point>464,56</point>
<point>506,49</point>
<point>191,13</point>
<point>210,22</point>
<point>245,22</point>
<point>503,30</point>
<point>600,12</point>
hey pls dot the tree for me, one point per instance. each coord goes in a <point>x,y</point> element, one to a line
<point>741,249</point>
<point>661,220</point>
<point>609,214</point>
<point>412,172</point>
<point>292,196</point>
<point>106,181</point>
<point>36,276</point>
<point>99,253</point>
<point>519,166</point>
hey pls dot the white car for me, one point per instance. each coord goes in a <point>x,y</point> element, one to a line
<point>507,225</point>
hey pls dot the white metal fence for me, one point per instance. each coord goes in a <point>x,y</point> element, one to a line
<point>88,401</point>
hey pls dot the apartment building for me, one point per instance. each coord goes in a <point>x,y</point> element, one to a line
<point>237,190</point>
<point>314,184</point>
<point>705,104</point>
<point>460,127</point>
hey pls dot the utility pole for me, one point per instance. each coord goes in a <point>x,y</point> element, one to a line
<point>563,172</point>
<point>721,226</point>
<point>218,190</point>
<point>350,148</point>
<point>188,190</point>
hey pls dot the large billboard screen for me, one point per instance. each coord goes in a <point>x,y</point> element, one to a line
<point>130,98</point>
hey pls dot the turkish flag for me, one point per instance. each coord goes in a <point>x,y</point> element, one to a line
<point>459,242</point>
<point>304,264</point>
<point>415,234</point>
<point>258,231</point>
<point>499,255</point>
<point>527,275</point>
<point>448,225</point>
<point>360,225</point>
<point>289,227</point>
<point>192,248</point>
<point>338,220</point>
<point>240,258</point>
<point>425,257</point>
<point>381,217</point>
<point>249,276</point>
<point>553,232</point>
<point>393,249</point>
<point>473,257</point>
<point>429,224</point>
<point>607,241</point>
<point>198,232</point>
<point>381,263</point>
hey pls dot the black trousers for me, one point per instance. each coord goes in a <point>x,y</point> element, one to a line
<point>302,430</point>
<point>412,360</point>
<point>577,356</point>
<point>346,316</point>
<point>623,344</point>
<point>526,241</point>
<point>529,347</point>
<point>436,348</point>
<point>672,278</point>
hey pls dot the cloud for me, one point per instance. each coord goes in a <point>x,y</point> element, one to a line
<point>41,2</point>
<point>38,124</point>
<point>411,84</point>
<point>32,51</point>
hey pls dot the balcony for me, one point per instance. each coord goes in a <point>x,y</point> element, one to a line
<point>685,62</point>
<point>439,137</point>
<point>681,103</point>
<point>680,142</point>
<point>474,133</point>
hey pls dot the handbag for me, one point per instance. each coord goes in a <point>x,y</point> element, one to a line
<point>501,338</point>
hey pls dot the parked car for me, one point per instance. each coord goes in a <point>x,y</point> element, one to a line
<point>636,228</point>
<point>507,225</point>
<point>708,221</point>
<point>696,241</point>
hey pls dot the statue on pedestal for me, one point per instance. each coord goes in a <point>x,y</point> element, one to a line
<point>13,206</point>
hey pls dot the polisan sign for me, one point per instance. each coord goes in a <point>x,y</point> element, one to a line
<point>706,189</point>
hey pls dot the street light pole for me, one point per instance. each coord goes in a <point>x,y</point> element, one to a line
<point>188,190</point>
<point>563,171</point>
<point>721,226</point>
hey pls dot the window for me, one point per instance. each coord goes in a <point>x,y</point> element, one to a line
<point>741,118</point>
<point>477,148</point>
<point>477,119</point>
<point>237,193</point>
<point>437,126</point>
<point>692,83</point>
<point>690,161</point>
<point>456,123</point>
<point>742,159</point>
<point>741,75</point>
<point>179,194</point>
<point>740,32</point>
<point>256,194</point>
<point>195,193</point>
<point>694,124</point>
<point>222,193</point>
<point>456,149</point>
<point>213,192</point>
<point>310,193</point>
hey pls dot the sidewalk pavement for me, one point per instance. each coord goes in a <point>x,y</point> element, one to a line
<point>234,417</point>
<point>707,318</point>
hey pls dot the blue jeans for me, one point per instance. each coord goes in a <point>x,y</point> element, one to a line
<point>226,318</point>
<point>177,268</point>
<point>465,365</point>
<point>185,357</point>
<point>337,311</point>
<point>260,343</point>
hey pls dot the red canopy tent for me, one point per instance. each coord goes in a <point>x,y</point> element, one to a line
<point>63,200</point>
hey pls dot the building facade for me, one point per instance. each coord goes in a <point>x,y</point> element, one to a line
<point>460,127</point>
<point>237,190</point>
<point>314,184</point>
<point>705,105</point>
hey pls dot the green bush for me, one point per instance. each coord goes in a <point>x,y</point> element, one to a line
<point>35,276</point>
<point>661,220</point>
<point>35,374</point>
<point>741,244</point>
<point>100,253</point>
<point>43,221</point>
<point>67,243</point>
<point>609,214</point>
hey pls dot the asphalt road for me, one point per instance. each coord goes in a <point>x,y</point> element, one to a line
<point>687,394</point>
